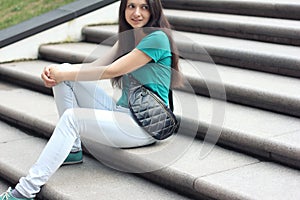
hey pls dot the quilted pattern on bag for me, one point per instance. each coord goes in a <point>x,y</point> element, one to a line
<point>151,113</point>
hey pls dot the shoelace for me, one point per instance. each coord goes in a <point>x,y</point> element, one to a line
<point>5,195</point>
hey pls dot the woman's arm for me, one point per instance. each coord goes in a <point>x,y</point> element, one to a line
<point>89,72</point>
<point>102,61</point>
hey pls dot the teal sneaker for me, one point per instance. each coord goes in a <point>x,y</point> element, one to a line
<point>73,158</point>
<point>8,196</point>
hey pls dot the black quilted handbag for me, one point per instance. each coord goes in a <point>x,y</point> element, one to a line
<point>150,112</point>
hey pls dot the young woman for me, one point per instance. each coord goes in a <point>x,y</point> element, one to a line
<point>146,51</point>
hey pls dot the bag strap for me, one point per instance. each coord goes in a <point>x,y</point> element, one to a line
<point>171,100</point>
<point>170,95</point>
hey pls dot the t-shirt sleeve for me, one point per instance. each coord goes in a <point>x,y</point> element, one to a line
<point>156,45</point>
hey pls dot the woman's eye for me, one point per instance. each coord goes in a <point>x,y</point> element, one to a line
<point>130,6</point>
<point>145,7</point>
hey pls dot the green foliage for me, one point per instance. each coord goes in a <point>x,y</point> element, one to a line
<point>15,11</point>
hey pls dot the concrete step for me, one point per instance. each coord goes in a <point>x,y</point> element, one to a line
<point>288,9</point>
<point>3,186</point>
<point>273,30</point>
<point>26,74</point>
<point>260,56</point>
<point>261,133</point>
<point>262,90</point>
<point>219,174</point>
<point>90,180</point>
<point>212,172</point>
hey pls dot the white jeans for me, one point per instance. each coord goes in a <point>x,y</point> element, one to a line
<point>84,108</point>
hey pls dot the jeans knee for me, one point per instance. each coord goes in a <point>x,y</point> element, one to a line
<point>62,85</point>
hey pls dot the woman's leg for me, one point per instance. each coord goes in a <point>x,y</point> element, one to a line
<point>110,128</point>
<point>70,94</point>
<point>53,155</point>
<point>81,94</point>
<point>65,137</point>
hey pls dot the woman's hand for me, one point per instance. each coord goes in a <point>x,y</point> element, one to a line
<point>56,74</point>
<point>48,82</point>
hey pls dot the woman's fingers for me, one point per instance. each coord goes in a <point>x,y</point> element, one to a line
<point>48,82</point>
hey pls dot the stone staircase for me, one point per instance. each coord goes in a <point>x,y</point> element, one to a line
<point>256,56</point>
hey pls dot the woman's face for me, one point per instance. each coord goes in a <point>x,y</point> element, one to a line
<point>137,13</point>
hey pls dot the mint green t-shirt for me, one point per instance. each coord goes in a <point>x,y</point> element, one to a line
<point>155,75</point>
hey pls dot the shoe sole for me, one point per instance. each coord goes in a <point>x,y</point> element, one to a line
<point>72,162</point>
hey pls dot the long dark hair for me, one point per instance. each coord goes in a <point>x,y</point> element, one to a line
<point>157,20</point>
